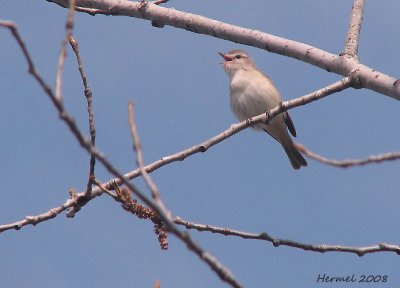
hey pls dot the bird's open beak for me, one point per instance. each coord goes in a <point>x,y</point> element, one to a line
<point>227,58</point>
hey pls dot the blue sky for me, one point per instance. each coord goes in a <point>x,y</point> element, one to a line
<point>181,99</point>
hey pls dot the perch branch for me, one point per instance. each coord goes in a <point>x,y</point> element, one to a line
<point>367,77</point>
<point>180,156</point>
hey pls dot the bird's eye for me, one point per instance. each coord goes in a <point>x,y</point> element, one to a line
<point>238,56</point>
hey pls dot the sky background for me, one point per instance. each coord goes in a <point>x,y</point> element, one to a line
<point>181,99</point>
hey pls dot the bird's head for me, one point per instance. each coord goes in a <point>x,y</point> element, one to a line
<point>236,60</point>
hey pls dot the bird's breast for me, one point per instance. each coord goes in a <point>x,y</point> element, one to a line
<point>252,94</point>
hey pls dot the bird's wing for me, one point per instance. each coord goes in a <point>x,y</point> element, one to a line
<point>289,123</point>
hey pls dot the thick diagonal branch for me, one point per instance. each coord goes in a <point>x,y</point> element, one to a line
<point>367,77</point>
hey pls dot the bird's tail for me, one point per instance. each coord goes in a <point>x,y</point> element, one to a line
<point>296,159</point>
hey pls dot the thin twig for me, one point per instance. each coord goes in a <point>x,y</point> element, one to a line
<point>31,68</point>
<point>33,220</point>
<point>137,146</point>
<point>322,248</point>
<point>353,33</point>
<point>104,189</point>
<point>63,53</point>
<point>349,162</point>
<point>89,99</point>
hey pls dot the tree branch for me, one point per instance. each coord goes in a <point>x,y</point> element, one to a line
<point>33,220</point>
<point>235,128</point>
<point>63,53</point>
<point>349,162</point>
<point>89,100</point>
<point>322,248</point>
<point>353,33</point>
<point>137,146</point>
<point>367,77</point>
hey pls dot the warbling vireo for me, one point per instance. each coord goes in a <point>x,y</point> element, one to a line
<point>253,93</point>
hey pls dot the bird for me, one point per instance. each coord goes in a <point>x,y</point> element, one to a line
<point>253,93</point>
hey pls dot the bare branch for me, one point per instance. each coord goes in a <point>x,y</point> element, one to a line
<point>31,67</point>
<point>322,248</point>
<point>76,201</point>
<point>33,220</point>
<point>105,190</point>
<point>63,53</point>
<point>14,31</point>
<point>367,77</point>
<point>349,162</point>
<point>89,99</point>
<point>137,146</point>
<point>353,33</point>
